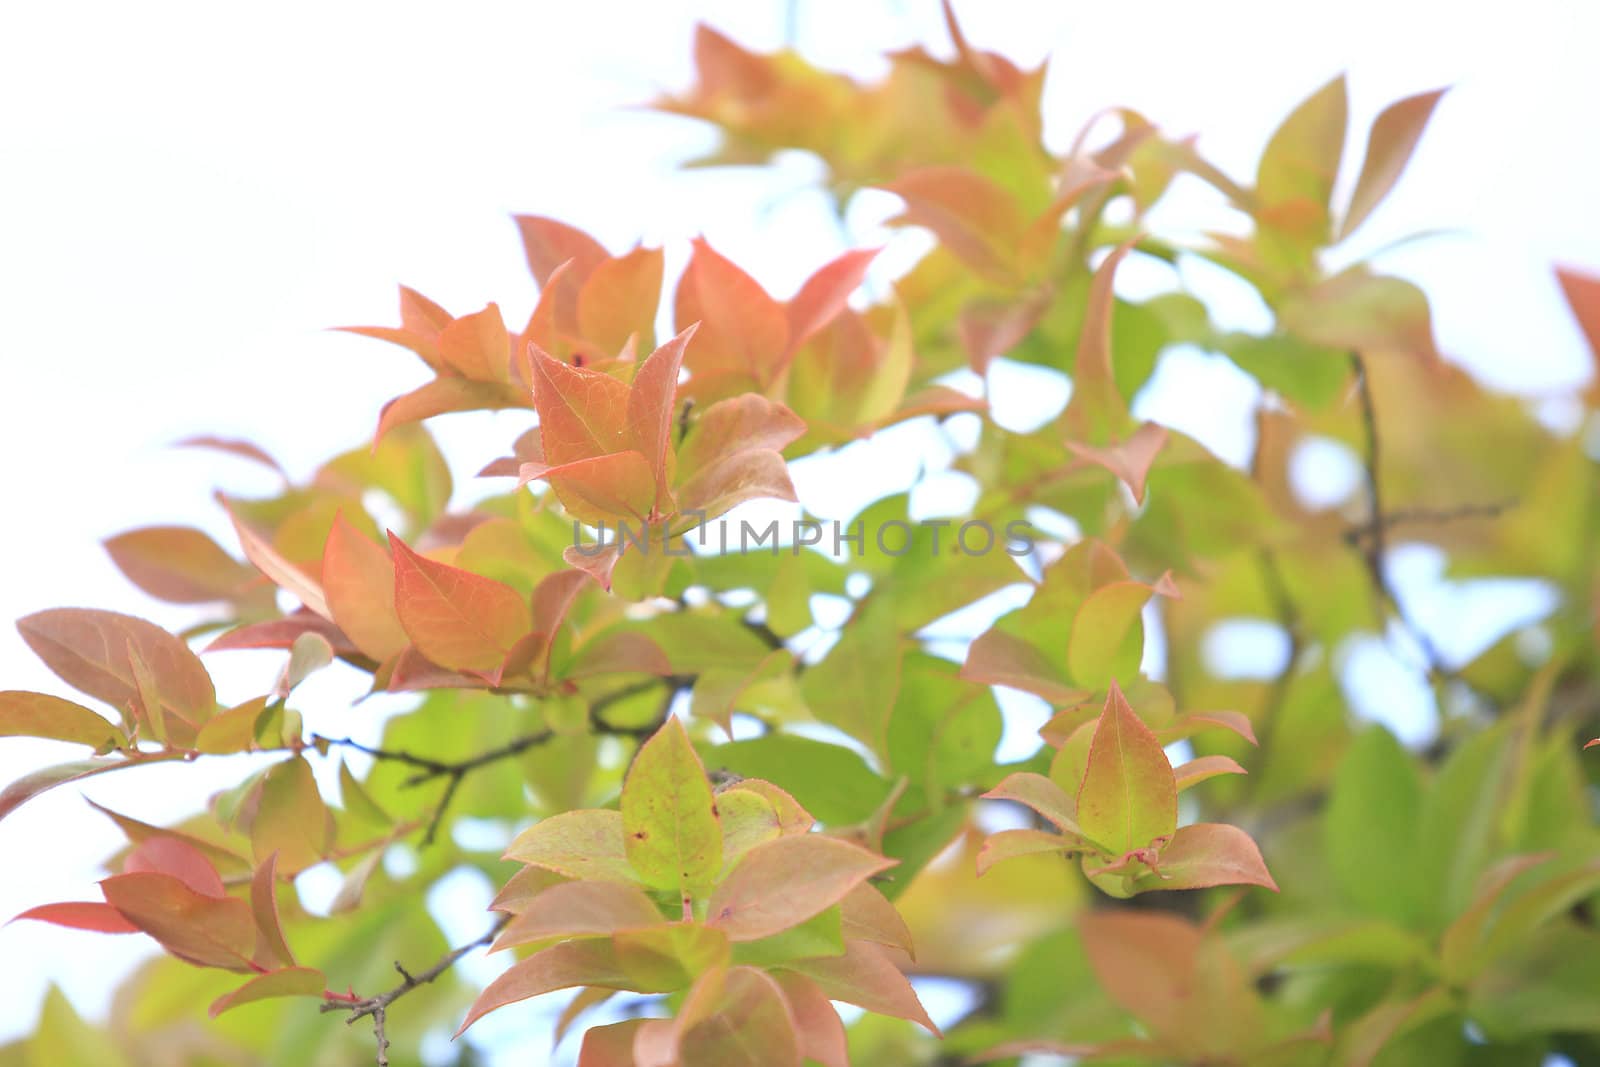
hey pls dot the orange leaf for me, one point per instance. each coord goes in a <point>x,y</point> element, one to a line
<point>717,489</point>
<point>866,915</point>
<point>358,581</point>
<point>1097,410</point>
<point>459,620</point>
<point>445,395</point>
<point>825,294</point>
<point>817,1022</point>
<point>582,413</point>
<point>619,487</point>
<point>619,298</point>
<point>1042,795</point>
<point>787,881</point>
<point>745,423</point>
<point>477,346</point>
<point>750,1025</point>
<point>651,411</point>
<point>743,331</point>
<point>1128,798</point>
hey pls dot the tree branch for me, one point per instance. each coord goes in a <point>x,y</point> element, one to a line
<point>378,1006</point>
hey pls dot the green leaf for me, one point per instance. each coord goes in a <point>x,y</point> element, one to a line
<point>1128,798</point>
<point>669,817</point>
<point>1372,828</point>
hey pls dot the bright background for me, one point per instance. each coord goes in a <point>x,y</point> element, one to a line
<point>193,193</point>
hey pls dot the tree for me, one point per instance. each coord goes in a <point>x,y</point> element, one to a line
<point>745,824</point>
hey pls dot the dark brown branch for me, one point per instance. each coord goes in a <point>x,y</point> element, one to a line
<point>378,1006</point>
<point>1429,517</point>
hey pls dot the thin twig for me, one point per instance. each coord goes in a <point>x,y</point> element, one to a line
<point>378,1006</point>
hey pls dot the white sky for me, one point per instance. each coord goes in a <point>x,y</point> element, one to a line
<point>193,192</point>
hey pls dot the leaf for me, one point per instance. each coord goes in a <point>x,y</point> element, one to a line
<point>1394,136</point>
<point>578,844</point>
<point>291,820</point>
<point>1107,635</point>
<point>89,650</point>
<point>358,578</point>
<point>1129,461</point>
<point>651,410</point>
<point>271,947</point>
<point>825,294</point>
<point>1295,177</point>
<point>999,658</point>
<point>205,930</point>
<point>977,220</point>
<point>1009,844</point>
<point>719,488</point>
<point>863,976</point>
<point>24,714</point>
<point>1208,854</point>
<point>477,346</point>
<point>285,982</point>
<point>81,915</point>
<point>1198,770</point>
<point>1128,799</point>
<point>668,956</point>
<point>458,619</point>
<point>443,396</point>
<point>866,915</point>
<point>571,963</point>
<point>549,243</point>
<point>618,300</point>
<point>1042,795</point>
<point>1371,832</point>
<point>669,817</point>
<point>821,1031</point>
<point>744,333</point>
<point>583,413</point>
<point>175,857</point>
<point>269,561</point>
<point>785,882</point>
<point>579,909</point>
<point>750,1025</point>
<point>179,564</point>
<point>1365,312</point>
<point>740,424</point>
<point>1097,410</point>
<point>29,786</point>
<point>236,447</point>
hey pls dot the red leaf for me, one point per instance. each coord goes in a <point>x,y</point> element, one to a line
<point>459,620</point>
<point>170,856</point>
<point>81,915</point>
<point>1592,744</point>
